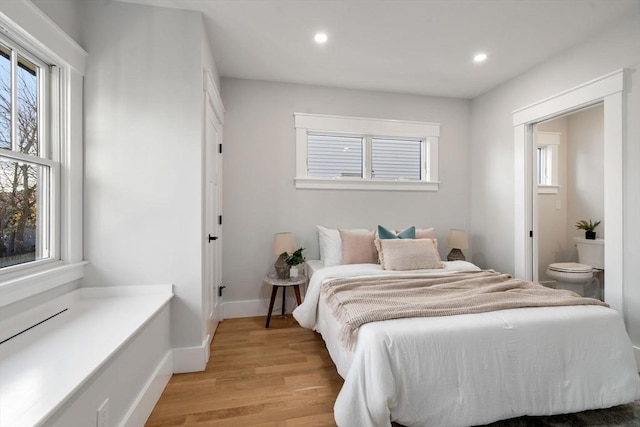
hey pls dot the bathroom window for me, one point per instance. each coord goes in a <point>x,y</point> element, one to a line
<point>545,172</point>
<point>547,144</point>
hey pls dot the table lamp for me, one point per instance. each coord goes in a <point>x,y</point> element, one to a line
<point>457,240</point>
<point>282,242</point>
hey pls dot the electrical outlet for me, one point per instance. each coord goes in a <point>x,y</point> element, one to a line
<point>103,414</point>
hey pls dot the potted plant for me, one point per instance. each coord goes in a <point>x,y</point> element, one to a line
<point>293,260</point>
<point>588,227</point>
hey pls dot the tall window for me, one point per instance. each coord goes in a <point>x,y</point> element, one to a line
<point>27,171</point>
<point>547,144</point>
<point>353,153</point>
<point>544,165</point>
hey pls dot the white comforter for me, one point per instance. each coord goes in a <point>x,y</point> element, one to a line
<point>476,368</point>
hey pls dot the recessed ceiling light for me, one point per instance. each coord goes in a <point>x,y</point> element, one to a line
<point>320,38</point>
<point>480,57</point>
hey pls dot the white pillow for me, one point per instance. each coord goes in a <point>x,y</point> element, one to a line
<point>331,245</point>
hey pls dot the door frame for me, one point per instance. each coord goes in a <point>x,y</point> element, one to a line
<point>607,89</point>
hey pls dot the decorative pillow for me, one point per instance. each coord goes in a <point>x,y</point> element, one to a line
<point>409,254</point>
<point>425,233</point>
<point>330,245</point>
<point>358,247</point>
<point>408,233</point>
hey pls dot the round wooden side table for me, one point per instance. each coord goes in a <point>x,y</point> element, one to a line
<point>295,282</point>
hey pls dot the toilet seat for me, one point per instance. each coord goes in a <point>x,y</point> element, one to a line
<point>570,267</point>
<point>570,272</point>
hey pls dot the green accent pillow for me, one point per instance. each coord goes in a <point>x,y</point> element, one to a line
<point>408,233</point>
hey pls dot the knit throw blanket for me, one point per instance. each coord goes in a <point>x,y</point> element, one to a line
<point>356,301</point>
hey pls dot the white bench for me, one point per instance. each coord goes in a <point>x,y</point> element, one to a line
<point>107,349</point>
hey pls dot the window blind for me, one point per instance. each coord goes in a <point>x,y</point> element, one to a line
<point>334,156</point>
<point>396,158</point>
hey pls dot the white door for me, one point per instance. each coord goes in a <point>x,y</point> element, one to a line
<point>213,217</point>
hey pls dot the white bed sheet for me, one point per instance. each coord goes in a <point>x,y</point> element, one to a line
<point>313,265</point>
<point>476,368</point>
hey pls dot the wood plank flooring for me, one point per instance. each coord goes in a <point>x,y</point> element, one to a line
<point>276,377</point>
<point>283,377</point>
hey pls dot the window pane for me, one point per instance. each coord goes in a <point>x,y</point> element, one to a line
<point>540,152</point>
<point>334,156</point>
<point>22,210</point>
<point>544,165</point>
<point>396,158</point>
<point>27,107</point>
<point>5,97</point>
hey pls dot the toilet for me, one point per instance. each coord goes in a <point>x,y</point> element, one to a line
<point>581,277</point>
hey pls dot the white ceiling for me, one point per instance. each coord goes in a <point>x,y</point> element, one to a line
<point>414,46</point>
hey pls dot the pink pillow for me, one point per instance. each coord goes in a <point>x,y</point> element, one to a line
<point>358,247</point>
<point>425,233</point>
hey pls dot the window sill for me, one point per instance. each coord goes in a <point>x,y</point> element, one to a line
<point>360,184</point>
<point>33,282</point>
<point>548,189</point>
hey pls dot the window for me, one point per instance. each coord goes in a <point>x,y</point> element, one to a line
<point>41,152</point>
<point>544,171</point>
<point>547,144</point>
<point>27,172</point>
<point>396,159</point>
<point>335,152</point>
<point>334,156</point>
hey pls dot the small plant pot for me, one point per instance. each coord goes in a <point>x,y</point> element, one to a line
<point>591,235</point>
<point>294,271</point>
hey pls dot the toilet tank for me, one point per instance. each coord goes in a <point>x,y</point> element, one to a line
<point>590,252</point>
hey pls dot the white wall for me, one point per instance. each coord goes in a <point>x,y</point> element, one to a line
<point>65,13</point>
<point>552,222</point>
<point>585,182</point>
<point>143,116</point>
<point>208,62</point>
<point>492,190</point>
<point>259,194</point>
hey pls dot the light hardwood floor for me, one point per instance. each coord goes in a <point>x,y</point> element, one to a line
<point>281,376</point>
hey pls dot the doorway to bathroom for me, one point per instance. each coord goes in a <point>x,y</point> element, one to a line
<point>568,181</point>
<point>609,90</point>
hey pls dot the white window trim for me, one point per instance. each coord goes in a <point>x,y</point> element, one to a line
<point>552,141</point>
<point>548,189</point>
<point>310,123</point>
<point>31,28</point>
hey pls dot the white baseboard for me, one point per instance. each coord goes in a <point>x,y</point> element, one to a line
<point>191,359</point>
<point>144,403</point>
<point>235,309</point>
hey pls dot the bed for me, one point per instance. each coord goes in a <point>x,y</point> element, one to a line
<point>471,369</point>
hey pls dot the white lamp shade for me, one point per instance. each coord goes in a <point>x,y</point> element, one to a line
<point>283,242</point>
<point>458,239</point>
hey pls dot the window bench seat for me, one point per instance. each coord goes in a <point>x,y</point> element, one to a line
<point>107,348</point>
